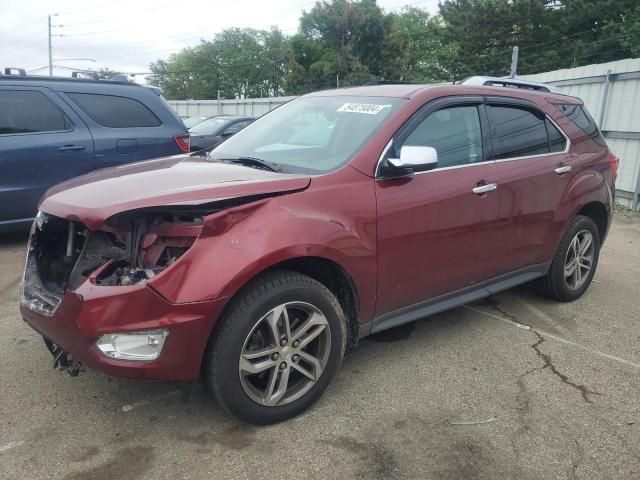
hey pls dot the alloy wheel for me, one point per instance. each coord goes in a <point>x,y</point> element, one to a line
<point>579,260</point>
<point>285,354</point>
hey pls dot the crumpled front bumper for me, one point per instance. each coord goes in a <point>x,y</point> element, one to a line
<point>91,311</point>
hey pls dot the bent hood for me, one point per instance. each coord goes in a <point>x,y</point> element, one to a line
<point>174,181</point>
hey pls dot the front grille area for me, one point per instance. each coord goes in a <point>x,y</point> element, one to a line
<point>54,248</point>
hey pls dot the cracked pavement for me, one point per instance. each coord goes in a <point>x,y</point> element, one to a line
<point>512,387</point>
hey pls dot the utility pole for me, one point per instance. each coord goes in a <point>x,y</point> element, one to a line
<point>50,54</point>
<point>337,80</point>
<point>514,62</point>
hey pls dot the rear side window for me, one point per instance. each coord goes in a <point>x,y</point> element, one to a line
<point>455,134</point>
<point>24,111</point>
<point>115,112</point>
<point>557,141</point>
<point>236,127</point>
<point>579,115</point>
<point>518,132</point>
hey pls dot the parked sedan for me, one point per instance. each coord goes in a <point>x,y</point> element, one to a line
<point>216,129</point>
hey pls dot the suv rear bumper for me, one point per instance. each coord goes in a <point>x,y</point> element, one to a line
<point>85,315</point>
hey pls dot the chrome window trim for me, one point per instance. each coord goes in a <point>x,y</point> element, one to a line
<point>565,151</point>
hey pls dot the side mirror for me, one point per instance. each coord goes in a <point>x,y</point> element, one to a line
<point>416,157</point>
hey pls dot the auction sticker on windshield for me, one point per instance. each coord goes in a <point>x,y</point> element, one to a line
<point>368,108</point>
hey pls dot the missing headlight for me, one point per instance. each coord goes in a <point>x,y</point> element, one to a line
<point>152,242</point>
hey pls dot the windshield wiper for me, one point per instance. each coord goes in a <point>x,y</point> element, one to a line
<point>254,163</point>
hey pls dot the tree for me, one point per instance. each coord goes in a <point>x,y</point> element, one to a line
<point>414,47</point>
<point>106,73</point>
<point>237,63</point>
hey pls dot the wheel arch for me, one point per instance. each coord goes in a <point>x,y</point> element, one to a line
<point>597,212</point>
<point>326,271</point>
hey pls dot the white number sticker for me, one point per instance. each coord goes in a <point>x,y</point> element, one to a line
<point>368,108</point>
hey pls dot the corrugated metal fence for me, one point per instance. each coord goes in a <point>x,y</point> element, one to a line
<point>611,92</point>
<point>248,106</point>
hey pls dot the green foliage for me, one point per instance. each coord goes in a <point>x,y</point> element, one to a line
<point>351,42</point>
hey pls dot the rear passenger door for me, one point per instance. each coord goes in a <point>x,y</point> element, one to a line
<point>533,170</point>
<point>42,142</point>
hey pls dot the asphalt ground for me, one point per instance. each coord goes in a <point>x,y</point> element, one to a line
<point>515,387</point>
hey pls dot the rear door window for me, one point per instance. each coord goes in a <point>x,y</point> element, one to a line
<point>557,141</point>
<point>518,132</point>
<point>29,111</point>
<point>115,112</point>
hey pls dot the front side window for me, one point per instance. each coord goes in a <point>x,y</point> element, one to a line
<point>518,132</point>
<point>310,134</point>
<point>115,112</point>
<point>29,111</point>
<point>455,134</point>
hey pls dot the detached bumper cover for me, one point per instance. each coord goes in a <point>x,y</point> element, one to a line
<point>92,311</point>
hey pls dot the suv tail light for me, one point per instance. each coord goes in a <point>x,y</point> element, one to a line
<point>613,163</point>
<point>183,142</point>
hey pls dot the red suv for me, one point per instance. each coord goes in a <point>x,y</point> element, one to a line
<point>337,215</point>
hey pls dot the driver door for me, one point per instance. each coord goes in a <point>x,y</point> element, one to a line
<point>435,234</point>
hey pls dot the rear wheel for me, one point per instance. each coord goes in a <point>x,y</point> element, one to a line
<point>279,345</point>
<point>574,263</point>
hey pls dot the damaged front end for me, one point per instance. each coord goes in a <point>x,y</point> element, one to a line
<point>131,248</point>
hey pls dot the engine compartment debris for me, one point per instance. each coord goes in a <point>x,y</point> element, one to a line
<point>130,249</point>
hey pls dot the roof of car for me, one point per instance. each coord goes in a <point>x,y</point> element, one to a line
<point>62,83</point>
<point>411,90</point>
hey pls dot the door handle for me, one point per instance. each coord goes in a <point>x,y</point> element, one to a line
<point>70,148</point>
<point>480,189</point>
<point>563,169</point>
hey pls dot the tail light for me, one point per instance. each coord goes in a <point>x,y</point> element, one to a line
<point>183,142</point>
<point>614,162</point>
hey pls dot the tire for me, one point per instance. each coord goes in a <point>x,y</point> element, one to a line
<point>556,284</point>
<point>238,352</point>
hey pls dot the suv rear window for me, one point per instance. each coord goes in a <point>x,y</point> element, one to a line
<point>25,111</point>
<point>115,112</point>
<point>580,116</point>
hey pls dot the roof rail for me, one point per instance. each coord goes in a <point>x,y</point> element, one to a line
<point>512,83</point>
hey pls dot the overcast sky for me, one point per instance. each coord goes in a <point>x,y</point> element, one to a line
<point>126,35</point>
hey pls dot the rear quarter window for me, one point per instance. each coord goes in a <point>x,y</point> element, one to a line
<point>115,112</point>
<point>579,115</point>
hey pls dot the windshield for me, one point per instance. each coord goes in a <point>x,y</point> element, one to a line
<point>210,126</point>
<point>310,134</point>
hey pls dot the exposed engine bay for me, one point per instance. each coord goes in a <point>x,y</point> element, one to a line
<point>130,249</point>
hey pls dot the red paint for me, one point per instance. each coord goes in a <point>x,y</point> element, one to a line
<point>401,241</point>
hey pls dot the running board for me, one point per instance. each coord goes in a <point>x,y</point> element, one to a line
<point>454,299</point>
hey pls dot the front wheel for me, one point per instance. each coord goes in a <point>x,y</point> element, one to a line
<point>574,263</point>
<point>279,345</point>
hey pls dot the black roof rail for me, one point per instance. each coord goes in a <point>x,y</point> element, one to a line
<point>43,78</point>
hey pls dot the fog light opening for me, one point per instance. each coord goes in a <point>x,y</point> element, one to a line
<point>138,346</point>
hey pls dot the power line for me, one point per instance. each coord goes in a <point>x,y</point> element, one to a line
<point>22,27</point>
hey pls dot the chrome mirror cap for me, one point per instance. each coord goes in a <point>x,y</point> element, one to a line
<point>415,156</point>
